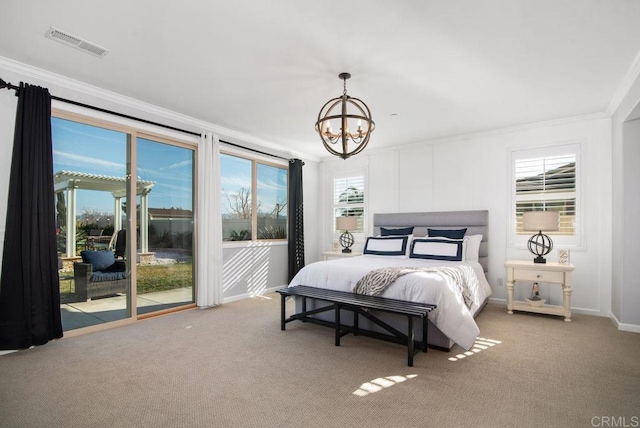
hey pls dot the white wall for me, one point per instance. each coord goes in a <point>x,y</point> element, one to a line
<point>629,312</point>
<point>626,204</point>
<point>625,189</point>
<point>473,173</point>
<point>253,269</point>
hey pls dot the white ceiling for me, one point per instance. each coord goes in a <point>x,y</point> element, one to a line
<point>264,68</point>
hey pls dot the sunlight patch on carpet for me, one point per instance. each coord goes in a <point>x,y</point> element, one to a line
<point>379,384</point>
<point>481,344</point>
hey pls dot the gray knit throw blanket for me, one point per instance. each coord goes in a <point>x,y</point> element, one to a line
<point>376,281</point>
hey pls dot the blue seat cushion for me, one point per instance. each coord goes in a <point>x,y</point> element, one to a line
<point>107,276</point>
<point>99,259</point>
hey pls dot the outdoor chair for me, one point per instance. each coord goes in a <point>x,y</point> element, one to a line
<point>120,244</point>
<point>96,240</point>
<point>99,275</point>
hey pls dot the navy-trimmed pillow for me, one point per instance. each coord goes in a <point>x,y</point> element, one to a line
<point>397,231</point>
<point>99,259</point>
<point>446,233</point>
<point>386,245</point>
<point>436,249</point>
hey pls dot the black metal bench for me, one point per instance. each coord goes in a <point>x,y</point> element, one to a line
<point>359,304</point>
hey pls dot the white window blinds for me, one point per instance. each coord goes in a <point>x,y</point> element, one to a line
<point>547,183</point>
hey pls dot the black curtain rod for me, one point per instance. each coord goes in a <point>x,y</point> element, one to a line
<point>8,85</point>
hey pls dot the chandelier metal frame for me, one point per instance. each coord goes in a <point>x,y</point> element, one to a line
<point>359,138</point>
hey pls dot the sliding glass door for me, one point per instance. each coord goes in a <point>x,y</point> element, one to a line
<point>91,178</point>
<point>166,238</point>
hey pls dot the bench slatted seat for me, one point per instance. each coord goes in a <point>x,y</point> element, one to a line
<point>360,305</point>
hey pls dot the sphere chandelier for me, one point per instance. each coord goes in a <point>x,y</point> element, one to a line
<point>345,143</point>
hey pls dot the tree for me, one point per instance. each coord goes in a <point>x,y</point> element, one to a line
<point>97,217</point>
<point>276,211</point>
<point>239,204</point>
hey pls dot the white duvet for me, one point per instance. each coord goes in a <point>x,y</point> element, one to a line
<point>452,316</point>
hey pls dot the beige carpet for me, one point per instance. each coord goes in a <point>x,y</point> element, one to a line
<point>231,366</point>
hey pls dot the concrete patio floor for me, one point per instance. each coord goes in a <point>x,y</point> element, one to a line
<point>97,311</point>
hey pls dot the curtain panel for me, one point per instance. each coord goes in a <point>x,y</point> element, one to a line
<point>29,283</point>
<point>296,218</point>
<point>209,223</point>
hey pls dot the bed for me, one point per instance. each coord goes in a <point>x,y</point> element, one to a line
<point>453,321</point>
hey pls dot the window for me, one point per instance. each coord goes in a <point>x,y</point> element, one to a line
<point>254,199</point>
<point>272,202</point>
<point>547,180</point>
<point>348,199</point>
<point>237,205</point>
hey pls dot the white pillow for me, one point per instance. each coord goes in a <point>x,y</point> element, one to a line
<point>437,249</point>
<point>386,245</point>
<point>409,241</point>
<point>472,247</point>
<point>390,234</point>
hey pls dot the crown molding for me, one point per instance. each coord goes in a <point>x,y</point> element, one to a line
<point>146,108</point>
<point>628,81</point>
<point>495,132</point>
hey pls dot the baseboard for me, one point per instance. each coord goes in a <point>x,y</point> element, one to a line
<point>633,328</point>
<point>588,312</point>
<point>8,352</point>
<point>250,295</point>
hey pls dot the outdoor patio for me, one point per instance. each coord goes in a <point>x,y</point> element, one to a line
<point>84,314</point>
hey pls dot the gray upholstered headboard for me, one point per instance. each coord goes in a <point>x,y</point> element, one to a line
<point>476,222</point>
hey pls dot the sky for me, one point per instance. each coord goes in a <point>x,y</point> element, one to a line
<point>89,149</point>
<point>236,175</point>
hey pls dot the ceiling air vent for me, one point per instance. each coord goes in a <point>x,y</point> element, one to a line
<point>76,42</point>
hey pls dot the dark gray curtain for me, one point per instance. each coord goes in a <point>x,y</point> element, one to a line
<point>29,289</point>
<point>296,218</point>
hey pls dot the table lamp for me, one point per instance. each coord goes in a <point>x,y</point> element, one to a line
<point>542,221</point>
<point>346,224</point>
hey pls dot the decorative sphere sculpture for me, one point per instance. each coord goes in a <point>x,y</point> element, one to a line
<point>540,245</point>
<point>346,240</point>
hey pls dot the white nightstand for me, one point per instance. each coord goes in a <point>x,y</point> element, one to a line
<point>338,254</point>
<point>550,272</point>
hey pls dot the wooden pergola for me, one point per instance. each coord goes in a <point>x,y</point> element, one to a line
<point>69,182</point>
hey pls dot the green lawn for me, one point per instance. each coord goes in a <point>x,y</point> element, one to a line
<point>164,277</point>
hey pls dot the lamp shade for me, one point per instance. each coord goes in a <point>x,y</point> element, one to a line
<point>540,221</point>
<point>346,223</point>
